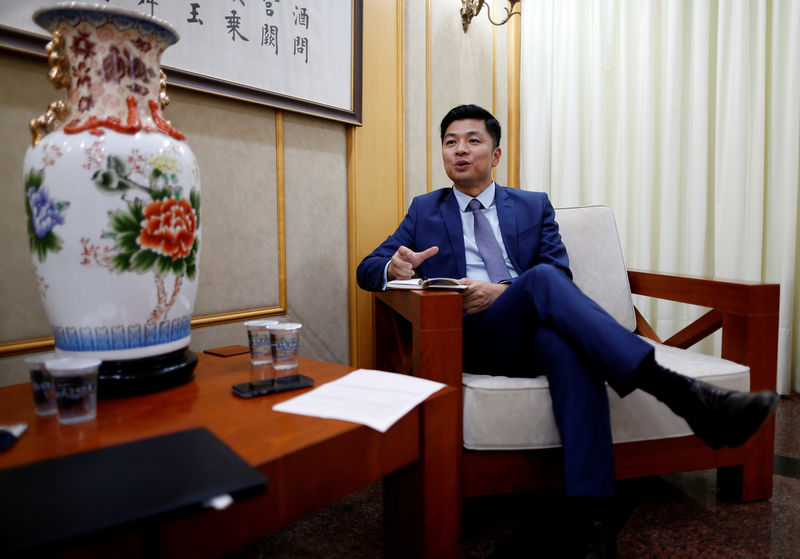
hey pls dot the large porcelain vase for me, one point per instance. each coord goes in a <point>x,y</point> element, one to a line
<point>112,195</point>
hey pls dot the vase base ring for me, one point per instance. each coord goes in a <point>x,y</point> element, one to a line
<point>133,377</point>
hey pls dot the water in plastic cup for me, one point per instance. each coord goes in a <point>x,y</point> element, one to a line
<point>258,336</point>
<point>285,339</point>
<point>75,386</point>
<point>262,372</point>
<point>44,399</point>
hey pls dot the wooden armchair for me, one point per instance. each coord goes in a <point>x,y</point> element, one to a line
<point>419,332</point>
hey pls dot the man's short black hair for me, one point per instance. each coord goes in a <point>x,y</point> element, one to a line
<point>464,112</point>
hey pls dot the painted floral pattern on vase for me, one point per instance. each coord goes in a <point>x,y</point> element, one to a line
<point>159,235</point>
<point>43,215</point>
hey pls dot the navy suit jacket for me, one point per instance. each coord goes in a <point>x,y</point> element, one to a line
<point>581,343</point>
<point>527,224</point>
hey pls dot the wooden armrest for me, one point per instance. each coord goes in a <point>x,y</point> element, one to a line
<point>724,295</point>
<point>426,340</point>
<point>746,311</point>
<point>429,309</point>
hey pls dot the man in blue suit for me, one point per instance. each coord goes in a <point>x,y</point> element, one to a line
<point>523,314</point>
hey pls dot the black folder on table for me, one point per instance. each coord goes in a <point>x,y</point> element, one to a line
<point>67,498</point>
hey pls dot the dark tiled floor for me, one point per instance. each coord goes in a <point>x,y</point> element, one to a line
<point>676,516</point>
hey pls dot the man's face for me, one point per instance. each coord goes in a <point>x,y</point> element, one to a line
<point>469,155</point>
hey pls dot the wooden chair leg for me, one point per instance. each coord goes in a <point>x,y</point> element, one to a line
<point>752,481</point>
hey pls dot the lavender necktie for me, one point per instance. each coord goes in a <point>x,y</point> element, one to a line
<point>487,244</point>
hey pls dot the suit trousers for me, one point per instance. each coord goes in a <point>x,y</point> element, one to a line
<point>544,324</point>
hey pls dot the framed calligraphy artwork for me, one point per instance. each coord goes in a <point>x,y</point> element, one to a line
<point>297,55</point>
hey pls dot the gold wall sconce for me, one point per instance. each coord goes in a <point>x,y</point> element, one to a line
<point>470,8</point>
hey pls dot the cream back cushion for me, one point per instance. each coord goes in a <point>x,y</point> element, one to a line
<point>595,258</point>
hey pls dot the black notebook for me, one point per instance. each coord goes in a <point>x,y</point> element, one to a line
<point>67,498</point>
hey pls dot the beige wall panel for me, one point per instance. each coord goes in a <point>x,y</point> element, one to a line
<point>233,333</point>
<point>25,93</point>
<point>461,71</point>
<point>234,143</point>
<point>316,234</point>
<point>416,91</point>
<point>14,371</point>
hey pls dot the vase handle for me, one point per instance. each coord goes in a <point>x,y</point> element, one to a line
<point>59,75</point>
<point>163,99</point>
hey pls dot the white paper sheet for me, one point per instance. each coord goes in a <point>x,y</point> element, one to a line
<point>374,398</point>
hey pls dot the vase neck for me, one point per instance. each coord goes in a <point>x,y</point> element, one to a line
<point>115,78</point>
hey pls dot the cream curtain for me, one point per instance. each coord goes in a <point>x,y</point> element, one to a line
<point>684,118</point>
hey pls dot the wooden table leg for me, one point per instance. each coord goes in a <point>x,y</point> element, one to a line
<point>422,501</point>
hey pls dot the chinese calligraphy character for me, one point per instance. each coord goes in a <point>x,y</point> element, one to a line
<point>268,5</point>
<point>269,36</point>
<point>234,22</point>
<point>301,46</point>
<point>194,19</point>
<point>240,1</point>
<point>152,3</point>
<point>301,17</point>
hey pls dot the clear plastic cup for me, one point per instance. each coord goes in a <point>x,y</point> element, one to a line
<point>75,387</point>
<point>285,339</point>
<point>261,372</point>
<point>44,399</point>
<point>258,337</point>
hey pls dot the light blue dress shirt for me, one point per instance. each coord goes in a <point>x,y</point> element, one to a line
<point>475,267</point>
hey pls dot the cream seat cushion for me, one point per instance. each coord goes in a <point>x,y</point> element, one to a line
<point>502,413</point>
<point>516,413</point>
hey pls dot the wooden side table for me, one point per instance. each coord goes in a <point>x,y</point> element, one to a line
<point>309,462</point>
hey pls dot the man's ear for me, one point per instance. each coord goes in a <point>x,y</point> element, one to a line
<point>496,156</point>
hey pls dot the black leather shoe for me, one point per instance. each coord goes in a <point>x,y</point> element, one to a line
<point>589,532</point>
<point>725,417</point>
<point>601,543</point>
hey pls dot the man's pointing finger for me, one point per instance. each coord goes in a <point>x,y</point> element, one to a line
<point>427,253</point>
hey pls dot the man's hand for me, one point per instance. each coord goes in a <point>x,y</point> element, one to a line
<point>480,294</point>
<point>403,262</point>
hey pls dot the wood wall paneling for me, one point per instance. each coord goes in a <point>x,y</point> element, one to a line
<point>374,161</point>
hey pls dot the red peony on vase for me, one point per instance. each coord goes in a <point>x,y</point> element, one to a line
<point>112,196</point>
